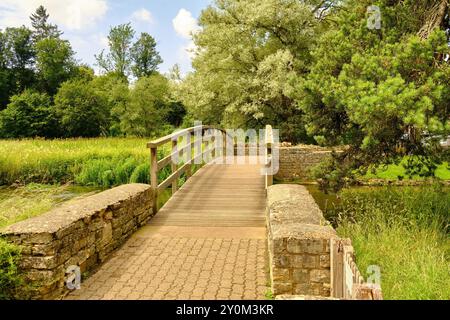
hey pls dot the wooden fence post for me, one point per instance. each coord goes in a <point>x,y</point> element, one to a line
<point>337,269</point>
<point>189,157</point>
<point>154,177</point>
<point>175,165</point>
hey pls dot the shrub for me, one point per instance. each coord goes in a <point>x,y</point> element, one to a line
<point>28,115</point>
<point>83,111</point>
<point>10,278</point>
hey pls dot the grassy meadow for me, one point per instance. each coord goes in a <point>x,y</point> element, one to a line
<point>103,162</point>
<point>405,231</point>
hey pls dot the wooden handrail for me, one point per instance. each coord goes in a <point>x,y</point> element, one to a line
<point>156,166</point>
<point>186,168</point>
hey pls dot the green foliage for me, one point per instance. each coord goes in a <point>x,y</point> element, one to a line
<point>43,29</point>
<point>247,53</point>
<point>55,63</point>
<point>145,57</point>
<point>16,61</point>
<point>116,171</point>
<point>82,160</point>
<point>114,91</point>
<point>10,279</point>
<point>28,115</point>
<point>145,114</point>
<point>141,174</point>
<point>82,110</point>
<point>385,92</point>
<point>405,232</point>
<point>118,60</point>
<point>69,100</point>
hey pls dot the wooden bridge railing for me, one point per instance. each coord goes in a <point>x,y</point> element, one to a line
<point>196,143</point>
<point>192,142</point>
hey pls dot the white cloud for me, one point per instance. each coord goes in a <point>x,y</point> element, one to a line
<point>185,24</point>
<point>72,14</point>
<point>143,15</point>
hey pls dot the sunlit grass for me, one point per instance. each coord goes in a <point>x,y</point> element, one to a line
<point>393,172</point>
<point>17,204</point>
<point>102,161</point>
<point>405,232</point>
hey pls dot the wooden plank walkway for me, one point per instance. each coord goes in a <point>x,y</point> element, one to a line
<point>208,242</point>
<point>218,195</point>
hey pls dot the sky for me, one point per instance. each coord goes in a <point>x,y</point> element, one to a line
<point>86,23</point>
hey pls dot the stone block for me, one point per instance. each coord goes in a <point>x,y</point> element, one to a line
<point>280,275</point>
<point>320,276</point>
<point>281,288</point>
<point>325,261</point>
<point>31,262</point>
<point>281,261</point>
<point>300,276</point>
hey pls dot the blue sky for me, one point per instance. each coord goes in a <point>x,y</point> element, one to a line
<point>86,23</point>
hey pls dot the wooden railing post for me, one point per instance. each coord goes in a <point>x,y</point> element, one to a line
<point>154,177</point>
<point>175,166</point>
<point>189,157</point>
<point>337,269</point>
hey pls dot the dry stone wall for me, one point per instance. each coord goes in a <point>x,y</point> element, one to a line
<point>299,243</point>
<point>79,233</point>
<point>296,162</point>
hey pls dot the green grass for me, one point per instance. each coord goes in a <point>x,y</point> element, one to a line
<point>10,277</point>
<point>17,204</point>
<point>405,232</point>
<point>393,172</point>
<point>101,162</point>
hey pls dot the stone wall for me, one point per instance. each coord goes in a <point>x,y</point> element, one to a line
<point>78,233</point>
<point>297,162</point>
<point>299,243</point>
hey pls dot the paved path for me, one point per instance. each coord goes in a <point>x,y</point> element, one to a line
<point>207,242</point>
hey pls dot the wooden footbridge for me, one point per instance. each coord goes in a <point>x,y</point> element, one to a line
<point>227,190</point>
<point>209,239</point>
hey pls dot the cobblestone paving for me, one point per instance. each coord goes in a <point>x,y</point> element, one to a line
<point>194,265</point>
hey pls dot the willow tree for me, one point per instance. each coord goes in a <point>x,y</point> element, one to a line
<point>246,54</point>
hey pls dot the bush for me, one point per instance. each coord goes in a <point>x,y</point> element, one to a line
<point>82,110</point>
<point>10,279</point>
<point>28,115</point>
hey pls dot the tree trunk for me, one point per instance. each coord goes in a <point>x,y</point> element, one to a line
<point>435,18</point>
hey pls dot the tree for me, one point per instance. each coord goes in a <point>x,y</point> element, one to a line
<point>145,114</point>
<point>247,53</point>
<point>384,93</point>
<point>55,63</point>
<point>28,115</point>
<point>83,112</point>
<point>118,60</point>
<point>115,93</point>
<point>43,29</point>
<point>145,57</point>
<point>16,62</point>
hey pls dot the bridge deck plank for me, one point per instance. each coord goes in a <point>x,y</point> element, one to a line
<point>218,195</point>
